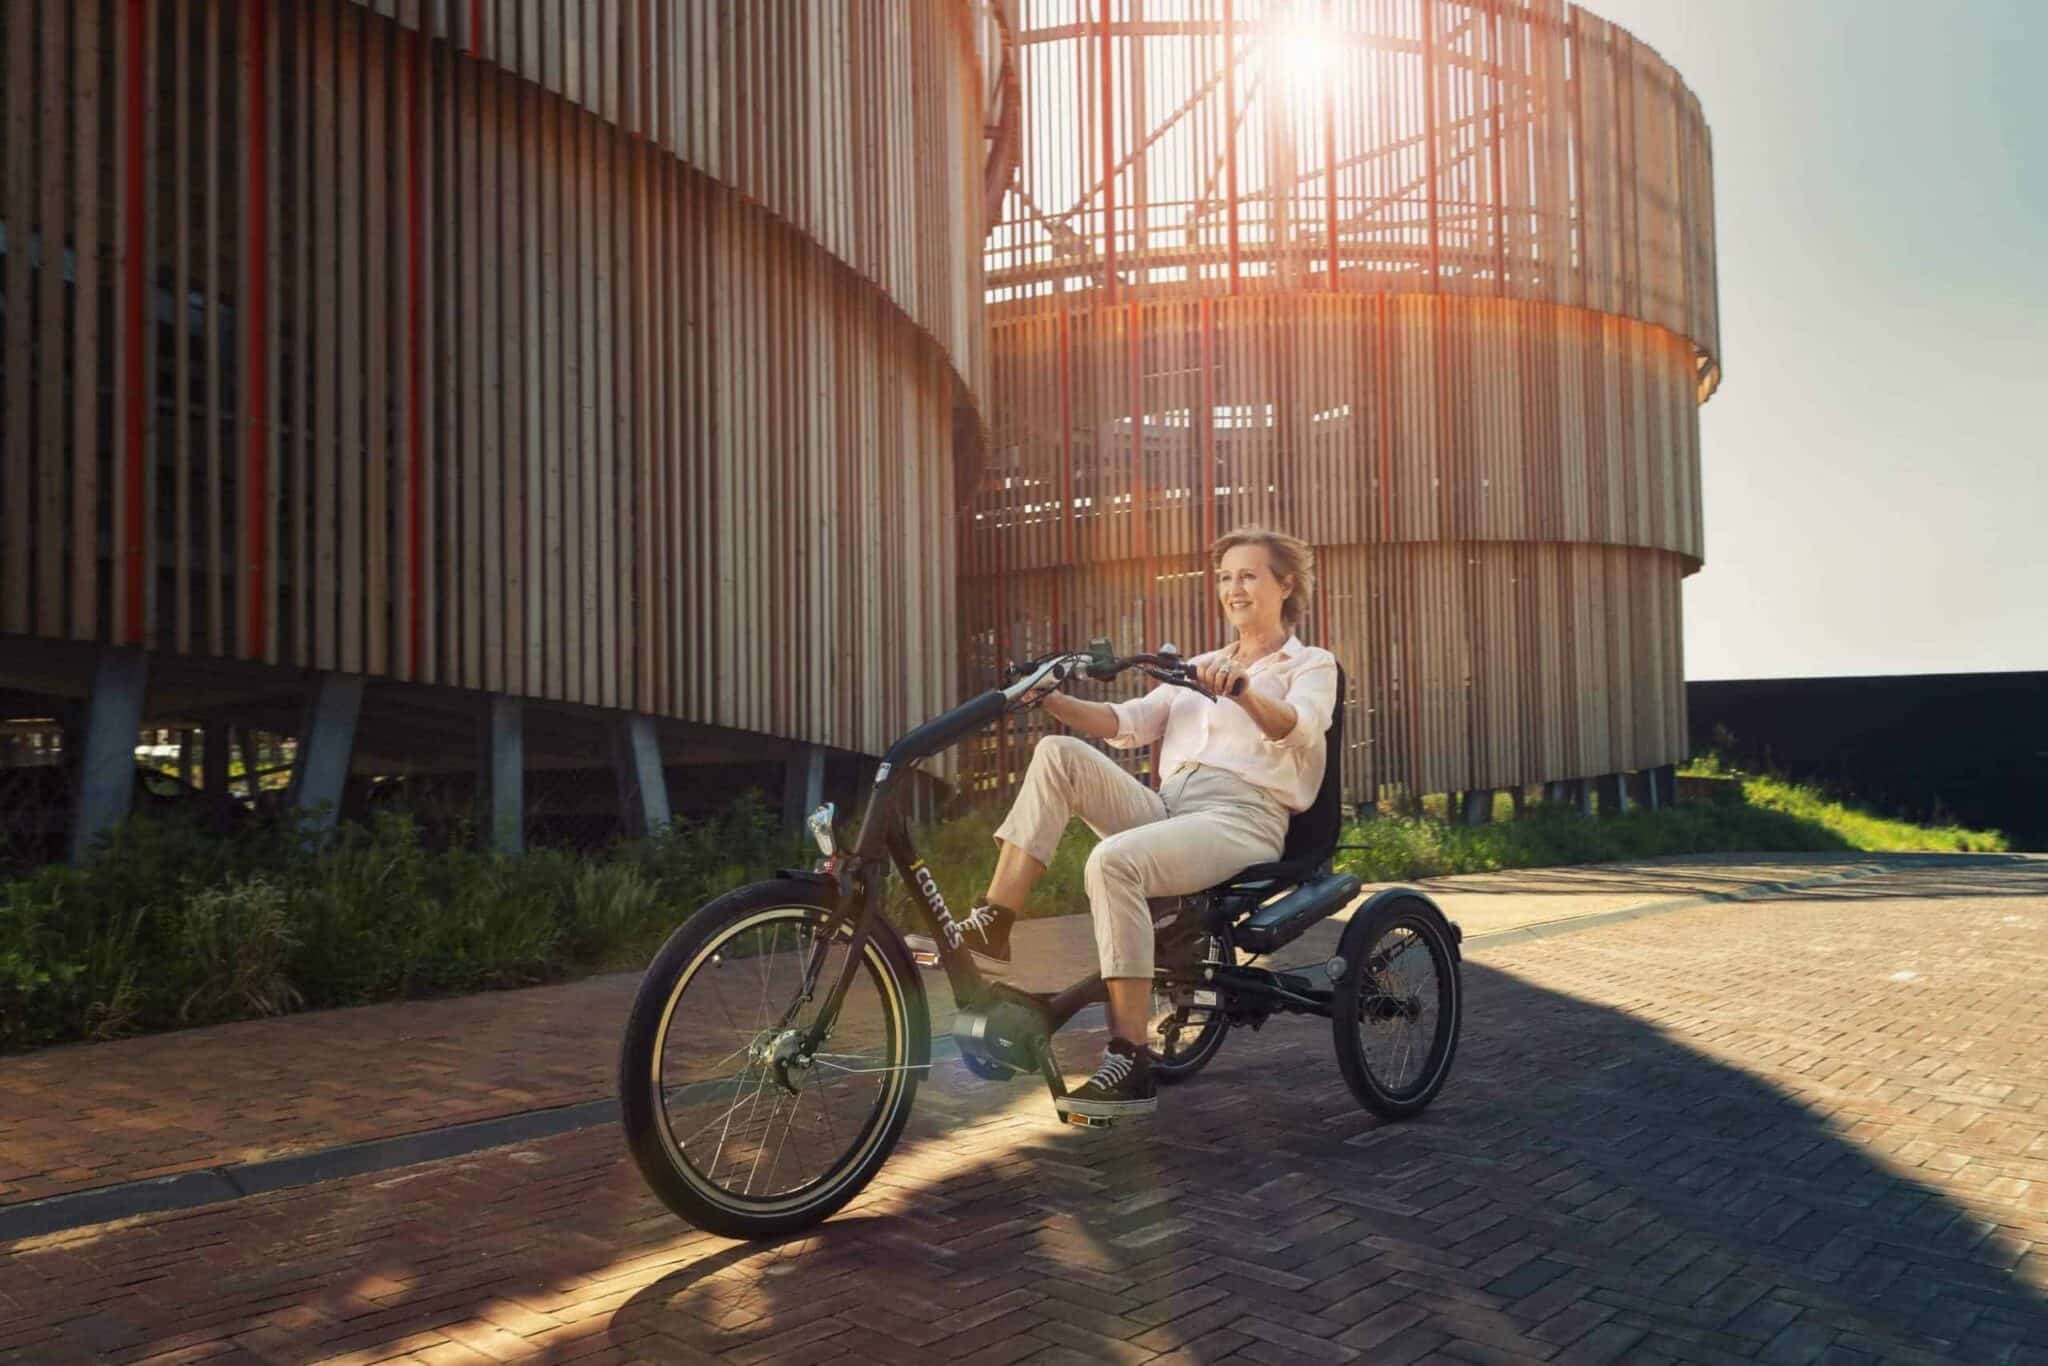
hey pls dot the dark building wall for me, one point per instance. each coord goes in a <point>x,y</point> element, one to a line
<point>1976,744</point>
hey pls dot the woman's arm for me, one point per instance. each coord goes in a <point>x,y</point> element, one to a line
<point>1299,718</point>
<point>1097,720</point>
<point>1272,715</point>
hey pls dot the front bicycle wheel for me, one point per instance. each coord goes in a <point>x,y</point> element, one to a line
<point>732,1124</point>
<point>1397,1007</point>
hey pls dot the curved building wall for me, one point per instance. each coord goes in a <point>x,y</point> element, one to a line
<point>577,351</point>
<point>1428,283</point>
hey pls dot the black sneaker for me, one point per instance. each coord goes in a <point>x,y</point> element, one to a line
<point>1121,1088</point>
<point>986,931</point>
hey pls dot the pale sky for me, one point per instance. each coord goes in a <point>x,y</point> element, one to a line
<point>1876,461</point>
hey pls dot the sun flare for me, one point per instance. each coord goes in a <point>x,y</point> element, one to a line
<point>1304,57</point>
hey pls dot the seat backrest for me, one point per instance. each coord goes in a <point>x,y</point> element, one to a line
<point>1312,834</point>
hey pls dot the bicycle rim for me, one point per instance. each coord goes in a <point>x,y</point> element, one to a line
<point>1405,1005</point>
<point>745,1120</point>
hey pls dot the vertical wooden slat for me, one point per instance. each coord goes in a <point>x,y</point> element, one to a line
<point>18,347</point>
<point>132,375</point>
<point>373,211</point>
<point>258,342</point>
<point>55,170</point>
<point>88,94</point>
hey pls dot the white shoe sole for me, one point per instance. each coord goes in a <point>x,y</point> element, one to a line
<point>1106,1109</point>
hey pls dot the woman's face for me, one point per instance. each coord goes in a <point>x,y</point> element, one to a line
<point>1250,592</point>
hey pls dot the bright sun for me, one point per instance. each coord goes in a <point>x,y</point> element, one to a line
<point>1303,57</point>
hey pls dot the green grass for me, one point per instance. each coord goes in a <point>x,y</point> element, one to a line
<point>1860,829</point>
<point>169,926</point>
<point>1754,814</point>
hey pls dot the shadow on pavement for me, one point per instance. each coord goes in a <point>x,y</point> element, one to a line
<point>1582,1174</point>
<point>1589,1180</point>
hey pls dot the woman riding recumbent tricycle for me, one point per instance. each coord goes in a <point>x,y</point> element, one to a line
<point>774,1050</point>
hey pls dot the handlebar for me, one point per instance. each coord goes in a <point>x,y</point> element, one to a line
<point>1167,666</point>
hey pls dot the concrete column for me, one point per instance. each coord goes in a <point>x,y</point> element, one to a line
<point>502,767</point>
<point>1581,795</point>
<point>1613,794</point>
<point>213,771</point>
<point>105,771</point>
<point>1667,784</point>
<point>803,785</point>
<point>1478,806</point>
<point>327,741</point>
<point>1556,793</point>
<point>643,787</point>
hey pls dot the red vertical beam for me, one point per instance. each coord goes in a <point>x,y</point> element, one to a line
<point>134,316</point>
<point>1108,111</point>
<point>1577,255</point>
<point>1139,547</point>
<point>1330,162</point>
<point>1500,233</point>
<point>415,490</point>
<point>1066,443</point>
<point>1429,132</point>
<point>1230,135</point>
<point>255,315</point>
<point>1207,352</point>
<point>476,26</point>
<point>1384,363</point>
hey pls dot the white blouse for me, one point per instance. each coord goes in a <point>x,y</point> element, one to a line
<point>1223,735</point>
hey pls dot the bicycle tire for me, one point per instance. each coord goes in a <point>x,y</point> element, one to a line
<point>1361,938</point>
<point>668,1171</point>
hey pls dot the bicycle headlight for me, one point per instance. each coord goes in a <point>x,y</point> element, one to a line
<point>823,829</point>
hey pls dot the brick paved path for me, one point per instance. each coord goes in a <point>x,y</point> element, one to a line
<point>1803,1129</point>
<point>84,1116</point>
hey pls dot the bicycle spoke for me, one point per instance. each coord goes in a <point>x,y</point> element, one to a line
<point>736,1119</point>
<point>1398,1020</point>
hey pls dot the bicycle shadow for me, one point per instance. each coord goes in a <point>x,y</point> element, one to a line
<point>1585,1172</point>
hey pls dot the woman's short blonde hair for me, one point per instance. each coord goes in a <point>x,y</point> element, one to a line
<point>1291,559</point>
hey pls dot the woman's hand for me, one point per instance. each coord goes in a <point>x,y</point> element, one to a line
<point>1097,720</point>
<point>1053,681</point>
<point>1220,675</point>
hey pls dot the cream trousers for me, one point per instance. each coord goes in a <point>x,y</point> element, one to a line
<point>1202,826</point>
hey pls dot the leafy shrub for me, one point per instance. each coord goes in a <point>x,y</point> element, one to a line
<point>169,925</point>
<point>236,939</point>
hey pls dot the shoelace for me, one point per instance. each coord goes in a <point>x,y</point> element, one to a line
<point>1115,1067</point>
<point>956,930</point>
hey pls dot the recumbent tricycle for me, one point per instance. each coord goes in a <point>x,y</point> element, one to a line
<point>776,1043</point>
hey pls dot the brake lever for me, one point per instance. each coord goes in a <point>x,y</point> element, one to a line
<point>1181,679</point>
<point>1187,679</point>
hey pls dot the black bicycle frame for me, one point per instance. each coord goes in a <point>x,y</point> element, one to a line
<point>885,837</point>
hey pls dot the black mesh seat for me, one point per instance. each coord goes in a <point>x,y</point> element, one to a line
<point>1312,834</point>
<point>1269,904</point>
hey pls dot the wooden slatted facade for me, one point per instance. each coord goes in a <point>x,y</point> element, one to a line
<point>1429,283</point>
<point>602,351</point>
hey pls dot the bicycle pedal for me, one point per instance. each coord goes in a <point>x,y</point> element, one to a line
<point>1087,1121</point>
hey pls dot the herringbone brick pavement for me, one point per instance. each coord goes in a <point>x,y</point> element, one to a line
<point>1813,1128</point>
<point>83,1116</point>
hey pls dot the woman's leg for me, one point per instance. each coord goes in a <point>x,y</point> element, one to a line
<point>1016,874</point>
<point>1067,778</point>
<point>1188,852</point>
